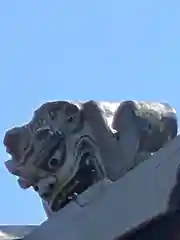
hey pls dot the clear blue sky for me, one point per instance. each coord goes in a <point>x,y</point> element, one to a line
<point>80,49</point>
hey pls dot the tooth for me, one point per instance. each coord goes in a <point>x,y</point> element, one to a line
<point>23,183</point>
<point>8,150</point>
<point>11,167</point>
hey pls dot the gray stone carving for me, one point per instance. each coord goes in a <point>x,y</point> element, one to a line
<point>68,146</point>
<point>15,231</point>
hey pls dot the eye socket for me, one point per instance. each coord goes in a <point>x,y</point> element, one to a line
<point>42,134</point>
<point>53,163</point>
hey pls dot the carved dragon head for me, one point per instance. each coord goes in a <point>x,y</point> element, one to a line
<point>52,152</point>
<point>67,147</point>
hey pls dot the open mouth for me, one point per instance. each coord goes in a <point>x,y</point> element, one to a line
<point>89,172</point>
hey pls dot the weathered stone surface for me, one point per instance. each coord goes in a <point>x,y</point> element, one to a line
<point>15,231</point>
<point>68,146</point>
<point>120,206</point>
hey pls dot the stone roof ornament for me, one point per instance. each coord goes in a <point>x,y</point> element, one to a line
<point>69,146</point>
